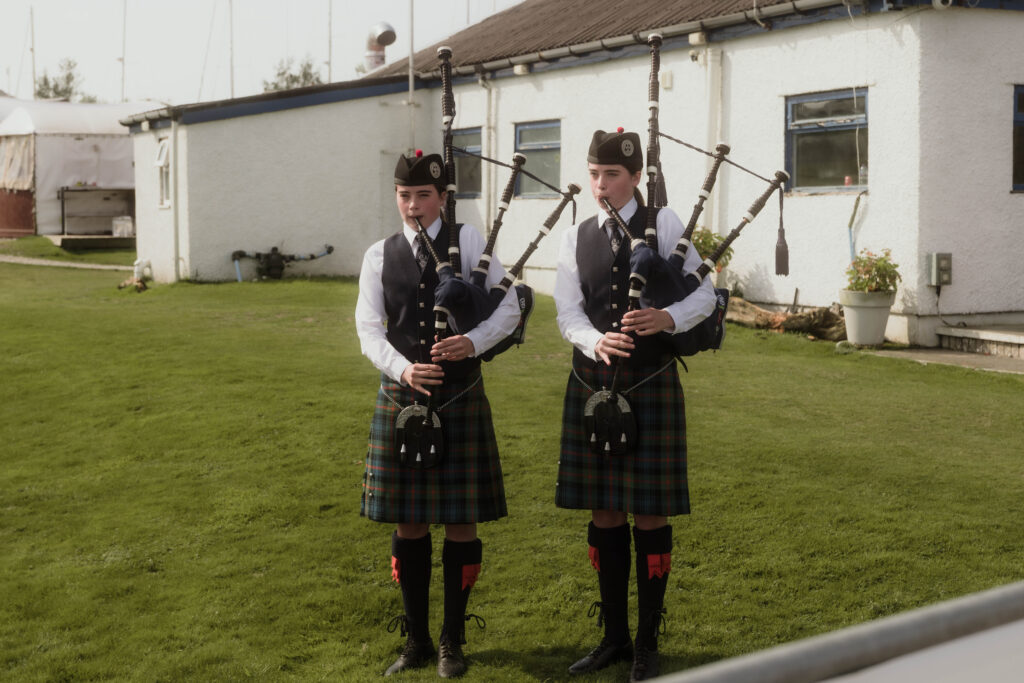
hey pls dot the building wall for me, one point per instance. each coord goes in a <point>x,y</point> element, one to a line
<point>970,62</point>
<point>298,179</point>
<point>155,229</point>
<point>880,52</point>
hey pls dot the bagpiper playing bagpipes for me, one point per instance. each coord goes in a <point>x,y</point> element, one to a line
<point>632,296</point>
<point>432,456</point>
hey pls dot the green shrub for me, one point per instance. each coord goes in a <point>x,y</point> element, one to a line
<point>706,242</point>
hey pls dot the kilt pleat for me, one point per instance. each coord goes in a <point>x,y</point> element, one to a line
<point>465,487</point>
<point>651,480</point>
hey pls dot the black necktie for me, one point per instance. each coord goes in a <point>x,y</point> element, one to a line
<point>422,257</point>
<point>614,234</point>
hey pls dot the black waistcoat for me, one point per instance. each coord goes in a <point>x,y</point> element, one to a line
<point>409,303</point>
<point>604,280</point>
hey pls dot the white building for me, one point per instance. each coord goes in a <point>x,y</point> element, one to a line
<point>926,98</point>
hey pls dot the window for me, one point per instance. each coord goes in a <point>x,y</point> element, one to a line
<point>163,165</point>
<point>827,140</point>
<point>467,168</point>
<point>541,142</point>
<point>1018,138</point>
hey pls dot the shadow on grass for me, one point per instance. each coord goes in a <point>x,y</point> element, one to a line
<point>552,662</point>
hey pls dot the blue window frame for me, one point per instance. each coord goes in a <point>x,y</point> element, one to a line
<point>1018,138</point>
<point>541,142</point>
<point>827,140</point>
<point>467,168</point>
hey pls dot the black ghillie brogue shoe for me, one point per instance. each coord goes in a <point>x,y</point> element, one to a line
<point>451,663</point>
<point>417,651</point>
<point>645,664</point>
<point>415,654</point>
<point>604,655</point>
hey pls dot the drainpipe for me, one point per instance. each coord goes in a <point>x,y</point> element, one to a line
<point>174,197</point>
<point>487,147</point>
<point>713,65</point>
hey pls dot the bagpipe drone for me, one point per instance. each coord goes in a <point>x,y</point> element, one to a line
<point>461,303</point>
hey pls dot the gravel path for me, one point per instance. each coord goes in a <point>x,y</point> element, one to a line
<point>60,264</point>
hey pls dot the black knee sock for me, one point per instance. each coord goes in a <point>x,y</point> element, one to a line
<point>410,567</point>
<point>653,563</point>
<point>610,556</point>
<point>461,560</point>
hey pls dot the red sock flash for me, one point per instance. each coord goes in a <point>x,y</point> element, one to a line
<point>659,565</point>
<point>470,572</point>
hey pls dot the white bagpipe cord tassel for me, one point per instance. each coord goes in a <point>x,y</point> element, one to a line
<point>593,437</point>
<point>402,450</point>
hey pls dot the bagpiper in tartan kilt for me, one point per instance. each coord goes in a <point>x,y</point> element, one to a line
<point>465,487</point>
<point>651,480</point>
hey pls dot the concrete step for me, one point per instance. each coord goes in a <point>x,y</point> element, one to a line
<point>84,242</point>
<point>990,340</point>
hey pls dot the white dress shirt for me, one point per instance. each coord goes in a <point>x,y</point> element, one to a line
<point>371,318</point>
<point>572,318</point>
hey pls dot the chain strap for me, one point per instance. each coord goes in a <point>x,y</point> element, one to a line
<point>453,399</point>
<point>635,386</point>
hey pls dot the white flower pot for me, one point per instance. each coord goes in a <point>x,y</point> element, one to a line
<point>866,314</point>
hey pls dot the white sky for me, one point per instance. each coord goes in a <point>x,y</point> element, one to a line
<point>169,41</point>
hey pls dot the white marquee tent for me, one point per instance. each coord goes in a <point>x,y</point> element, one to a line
<point>49,150</point>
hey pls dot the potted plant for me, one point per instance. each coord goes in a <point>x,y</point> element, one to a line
<point>868,297</point>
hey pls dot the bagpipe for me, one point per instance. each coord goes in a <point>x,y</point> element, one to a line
<point>462,303</point>
<point>608,418</point>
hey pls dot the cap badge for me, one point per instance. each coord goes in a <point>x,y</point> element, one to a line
<point>627,148</point>
<point>435,169</point>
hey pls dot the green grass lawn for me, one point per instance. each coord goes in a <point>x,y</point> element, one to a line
<point>180,475</point>
<point>41,247</point>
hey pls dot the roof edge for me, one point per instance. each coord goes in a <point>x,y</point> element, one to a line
<point>640,38</point>
<point>176,112</point>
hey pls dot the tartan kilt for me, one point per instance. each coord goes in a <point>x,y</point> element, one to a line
<point>466,486</point>
<point>649,481</point>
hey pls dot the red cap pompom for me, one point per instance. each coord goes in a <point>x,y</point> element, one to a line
<point>620,129</point>
<point>419,153</point>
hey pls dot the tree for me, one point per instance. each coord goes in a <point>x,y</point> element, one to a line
<point>289,76</point>
<point>64,85</point>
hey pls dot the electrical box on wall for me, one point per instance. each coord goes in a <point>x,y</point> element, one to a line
<point>940,269</point>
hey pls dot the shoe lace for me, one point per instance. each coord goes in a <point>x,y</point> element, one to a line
<point>481,624</point>
<point>653,624</point>
<point>400,621</point>
<point>661,625</point>
<point>597,608</point>
<point>453,637</point>
<point>640,659</point>
<point>448,646</point>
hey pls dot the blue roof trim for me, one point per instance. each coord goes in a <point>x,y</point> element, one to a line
<point>230,111</point>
